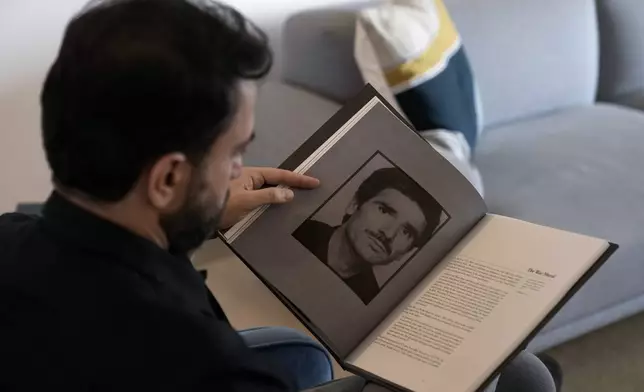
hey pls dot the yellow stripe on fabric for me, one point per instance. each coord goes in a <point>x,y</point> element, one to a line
<point>433,55</point>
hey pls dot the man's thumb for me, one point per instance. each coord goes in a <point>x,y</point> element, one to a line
<point>274,195</point>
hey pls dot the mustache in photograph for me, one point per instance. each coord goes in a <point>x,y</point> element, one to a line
<point>382,239</point>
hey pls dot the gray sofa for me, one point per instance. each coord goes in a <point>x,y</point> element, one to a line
<point>550,153</point>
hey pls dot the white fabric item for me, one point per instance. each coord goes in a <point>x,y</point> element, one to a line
<point>453,147</point>
<point>400,30</point>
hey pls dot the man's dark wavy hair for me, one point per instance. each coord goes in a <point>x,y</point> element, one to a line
<point>137,79</point>
<point>394,178</point>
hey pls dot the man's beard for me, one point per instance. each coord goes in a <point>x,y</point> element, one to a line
<point>193,224</point>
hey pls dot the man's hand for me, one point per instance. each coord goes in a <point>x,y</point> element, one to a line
<point>246,195</point>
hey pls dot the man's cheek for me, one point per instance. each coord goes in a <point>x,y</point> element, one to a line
<point>400,247</point>
<point>371,222</point>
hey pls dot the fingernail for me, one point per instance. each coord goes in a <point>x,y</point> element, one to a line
<point>288,194</point>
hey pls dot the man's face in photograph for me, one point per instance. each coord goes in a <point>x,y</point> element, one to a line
<point>384,227</point>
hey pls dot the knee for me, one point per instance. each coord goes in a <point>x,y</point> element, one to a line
<point>297,353</point>
<point>526,373</point>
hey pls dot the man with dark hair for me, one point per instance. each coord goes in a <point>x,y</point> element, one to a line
<point>389,216</point>
<point>146,113</point>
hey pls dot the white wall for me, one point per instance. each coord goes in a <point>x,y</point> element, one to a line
<point>30,32</point>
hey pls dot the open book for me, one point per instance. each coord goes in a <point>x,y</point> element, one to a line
<point>395,264</point>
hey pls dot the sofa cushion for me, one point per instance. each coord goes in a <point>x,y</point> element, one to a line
<point>318,52</point>
<point>285,117</point>
<point>529,56</point>
<point>579,170</point>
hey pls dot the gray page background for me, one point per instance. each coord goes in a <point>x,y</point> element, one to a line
<point>335,311</point>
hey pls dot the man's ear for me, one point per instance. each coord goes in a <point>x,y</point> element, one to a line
<point>352,207</point>
<point>168,181</point>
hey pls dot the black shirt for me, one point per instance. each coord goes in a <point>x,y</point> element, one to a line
<point>88,305</point>
<point>315,236</point>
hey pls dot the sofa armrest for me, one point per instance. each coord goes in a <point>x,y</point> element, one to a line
<point>622,52</point>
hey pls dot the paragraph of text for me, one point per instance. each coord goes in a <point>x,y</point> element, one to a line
<point>464,297</point>
<point>395,345</point>
<point>486,273</point>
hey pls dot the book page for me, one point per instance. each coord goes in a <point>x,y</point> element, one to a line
<point>477,306</point>
<point>380,221</point>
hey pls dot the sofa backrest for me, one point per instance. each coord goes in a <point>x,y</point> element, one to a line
<point>622,62</point>
<point>318,51</point>
<point>528,56</point>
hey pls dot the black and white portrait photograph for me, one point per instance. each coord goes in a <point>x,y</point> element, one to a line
<point>372,226</point>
